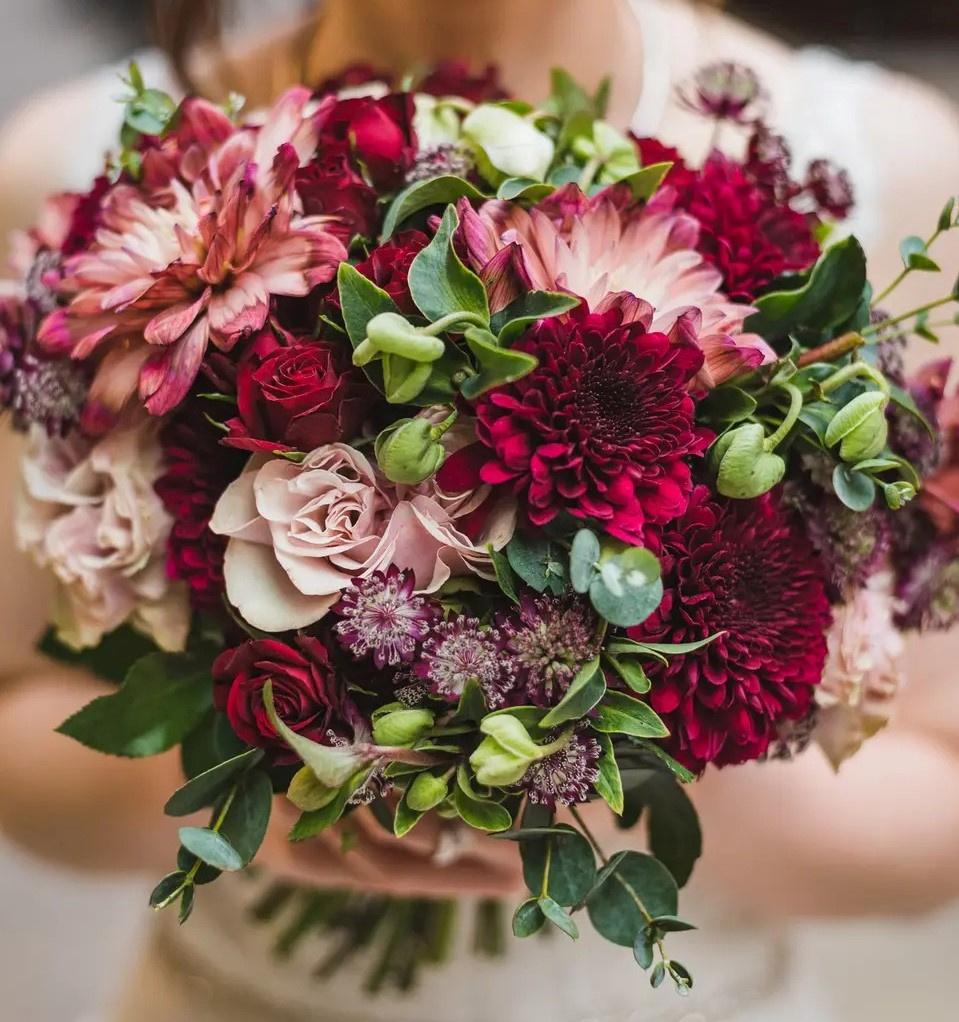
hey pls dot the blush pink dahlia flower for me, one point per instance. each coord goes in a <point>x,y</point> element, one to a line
<point>606,245</point>
<point>193,261</point>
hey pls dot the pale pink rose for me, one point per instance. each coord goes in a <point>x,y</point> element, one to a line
<point>603,250</point>
<point>863,671</point>
<point>89,513</point>
<point>299,533</point>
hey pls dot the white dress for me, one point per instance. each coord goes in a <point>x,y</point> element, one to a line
<point>218,967</point>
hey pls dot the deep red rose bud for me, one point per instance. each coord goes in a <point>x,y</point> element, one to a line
<point>296,396</point>
<point>331,186</point>
<point>306,693</point>
<point>379,133</point>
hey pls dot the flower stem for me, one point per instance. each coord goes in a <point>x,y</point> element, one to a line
<point>795,407</point>
<point>218,823</point>
<point>851,372</point>
<point>589,173</point>
<point>904,272</point>
<point>874,328</point>
<point>450,320</point>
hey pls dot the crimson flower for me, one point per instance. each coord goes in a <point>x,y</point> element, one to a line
<point>602,429</point>
<point>305,692</point>
<point>651,151</point>
<point>388,266</point>
<point>296,396</point>
<point>454,78</point>
<point>746,569</point>
<point>378,132</point>
<point>331,186</point>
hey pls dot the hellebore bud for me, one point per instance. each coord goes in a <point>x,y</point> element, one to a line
<point>409,451</point>
<point>426,792</point>
<point>508,143</point>
<point>860,427</point>
<point>743,465</point>
<point>401,727</point>
<point>507,751</point>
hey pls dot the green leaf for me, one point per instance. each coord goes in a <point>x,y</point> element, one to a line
<point>523,189</point>
<point>186,904</point>
<point>628,587</point>
<point>672,648</point>
<point>406,818</point>
<point>945,217</point>
<point>675,837</point>
<point>914,256</point>
<point>726,404</point>
<point>584,692</point>
<point>824,301</point>
<point>167,890</point>
<point>572,865</point>
<point>657,975</point>
<point>538,562</point>
<point>313,823</point>
<point>855,489</point>
<point>423,194</point>
<point>472,705</point>
<point>583,558</point>
<point>609,783</point>
<point>612,906</point>
<point>360,301</point>
<point>212,848</point>
<point>673,924</point>
<point>504,573</point>
<point>906,401</point>
<point>643,949</point>
<point>110,659</point>
<point>245,823</point>
<point>528,919</point>
<point>675,767</point>
<point>149,112</point>
<point>480,813</point>
<point>644,183</point>
<point>559,917</point>
<point>203,789</point>
<point>161,701</point>
<point>210,743</point>
<point>623,714</point>
<point>511,322</point>
<point>632,673</point>
<point>497,366</point>
<point>438,280</point>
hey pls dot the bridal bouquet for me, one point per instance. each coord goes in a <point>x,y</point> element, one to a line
<point>427,450</point>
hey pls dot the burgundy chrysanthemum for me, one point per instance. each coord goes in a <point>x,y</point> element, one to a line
<point>383,619</point>
<point>549,639</point>
<point>602,429</point>
<point>198,470</point>
<point>461,650</point>
<point>566,776</point>
<point>747,235</point>
<point>743,568</point>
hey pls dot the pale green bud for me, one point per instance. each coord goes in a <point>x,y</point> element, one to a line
<point>435,123</point>
<point>509,143</point>
<point>407,451</point>
<point>426,792</point>
<point>614,150</point>
<point>307,793</point>
<point>402,727</point>
<point>898,493</point>
<point>860,427</point>
<point>504,756</point>
<point>744,468</point>
<point>403,379</point>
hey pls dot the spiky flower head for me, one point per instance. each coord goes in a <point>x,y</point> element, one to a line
<point>460,650</point>
<point>928,588</point>
<point>723,91</point>
<point>566,776</point>
<point>382,618</point>
<point>549,638</point>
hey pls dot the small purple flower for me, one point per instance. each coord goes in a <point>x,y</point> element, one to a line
<point>566,776</point>
<point>928,589</point>
<point>439,161</point>
<point>462,650</point>
<point>830,188</point>
<point>382,618</point>
<point>549,639</point>
<point>768,160</point>
<point>724,91</point>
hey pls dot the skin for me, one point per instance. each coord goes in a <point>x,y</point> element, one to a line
<point>882,836</point>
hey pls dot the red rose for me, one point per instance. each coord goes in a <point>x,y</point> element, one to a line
<point>305,692</point>
<point>453,78</point>
<point>296,396</point>
<point>379,133</point>
<point>330,186</point>
<point>389,266</point>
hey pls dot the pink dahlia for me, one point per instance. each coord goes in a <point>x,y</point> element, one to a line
<point>745,569</point>
<point>602,429</point>
<point>193,261</point>
<point>605,245</point>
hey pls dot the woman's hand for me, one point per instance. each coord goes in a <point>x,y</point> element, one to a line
<point>436,859</point>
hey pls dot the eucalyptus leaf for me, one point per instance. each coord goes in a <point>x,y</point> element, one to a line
<point>628,587</point>
<point>614,907</point>
<point>204,789</point>
<point>248,816</point>
<point>168,889</point>
<point>528,919</point>
<point>422,194</point>
<point>675,837</point>
<point>855,489</point>
<point>559,917</point>
<point>583,558</point>
<point>212,848</point>
<point>571,864</point>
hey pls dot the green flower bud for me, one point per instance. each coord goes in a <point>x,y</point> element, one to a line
<point>898,493</point>
<point>860,427</point>
<point>426,792</point>
<point>307,793</point>
<point>508,144</point>
<point>402,727</point>
<point>390,334</point>
<point>744,468</point>
<point>403,379</point>
<point>407,451</point>
<point>508,751</point>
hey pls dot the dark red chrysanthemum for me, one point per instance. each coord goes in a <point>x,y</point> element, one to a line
<point>744,568</point>
<point>652,151</point>
<point>198,470</point>
<point>748,236</point>
<point>602,429</point>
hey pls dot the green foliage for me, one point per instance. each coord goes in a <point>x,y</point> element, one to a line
<point>645,182</point>
<point>528,919</point>
<point>248,815</point>
<point>624,714</point>
<point>626,587</point>
<point>675,837</point>
<point>509,323</point>
<point>583,560</point>
<point>915,256</point>
<point>421,195</point>
<point>560,865</point>
<point>585,690</point>
<point>744,467</point>
<point>523,189</point>
<point>505,578</point>
<point>609,783</point>
<point>212,848</point>
<point>162,699</point>
<point>110,659</point>
<point>360,301</point>
<point>637,889</point>
<point>558,916</point>
<point>538,561</point>
<point>210,743</point>
<point>204,789</point>
<point>855,489</point>
<point>497,366</point>
<point>726,405</point>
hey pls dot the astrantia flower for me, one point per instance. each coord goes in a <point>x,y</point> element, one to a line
<point>607,244</point>
<point>383,619</point>
<point>747,235</point>
<point>928,587</point>
<point>194,262</point>
<point>196,471</point>
<point>566,776</point>
<point>830,188</point>
<point>602,428</point>
<point>549,639</point>
<point>743,568</point>
<point>724,91</point>
<point>461,650</point>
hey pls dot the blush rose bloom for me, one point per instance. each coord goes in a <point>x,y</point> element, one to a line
<point>88,512</point>
<point>299,534</point>
<point>863,671</point>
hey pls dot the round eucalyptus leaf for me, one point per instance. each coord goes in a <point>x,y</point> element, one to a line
<point>583,556</point>
<point>528,919</point>
<point>211,848</point>
<point>855,489</point>
<point>613,907</point>
<point>572,865</point>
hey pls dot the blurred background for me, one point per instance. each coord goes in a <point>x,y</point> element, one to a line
<point>65,939</point>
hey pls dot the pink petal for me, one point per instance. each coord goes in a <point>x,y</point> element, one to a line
<point>167,376</point>
<point>171,324</point>
<point>241,309</point>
